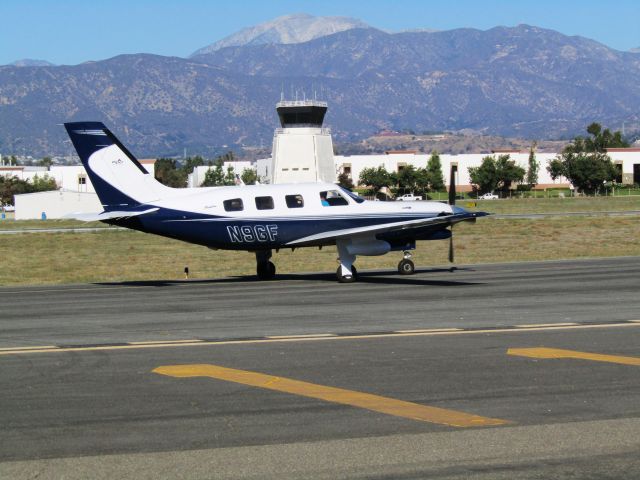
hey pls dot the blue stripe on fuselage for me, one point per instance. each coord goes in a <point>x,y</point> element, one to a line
<point>263,233</point>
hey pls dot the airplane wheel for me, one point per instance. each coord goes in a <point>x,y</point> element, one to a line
<point>347,278</point>
<point>406,267</point>
<point>266,271</point>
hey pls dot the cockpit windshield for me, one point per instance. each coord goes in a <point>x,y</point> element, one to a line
<point>354,196</point>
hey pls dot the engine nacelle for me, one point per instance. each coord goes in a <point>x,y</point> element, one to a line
<point>368,247</point>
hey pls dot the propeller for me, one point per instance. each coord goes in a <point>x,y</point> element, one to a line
<point>452,185</point>
<point>452,202</point>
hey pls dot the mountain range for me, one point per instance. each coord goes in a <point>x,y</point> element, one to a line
<point>511,81</point>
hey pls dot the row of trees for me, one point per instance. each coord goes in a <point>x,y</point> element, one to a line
<point>584,162</point>
<point>408,179</point>
<point>10,186</point>
<point>174,173</point>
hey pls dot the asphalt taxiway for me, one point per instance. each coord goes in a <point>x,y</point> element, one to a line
<point>490,371</point>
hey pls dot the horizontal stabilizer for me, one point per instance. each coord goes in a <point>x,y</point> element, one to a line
<point>97,217</point>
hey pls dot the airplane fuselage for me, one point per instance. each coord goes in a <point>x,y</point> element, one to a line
<point>263,217</point>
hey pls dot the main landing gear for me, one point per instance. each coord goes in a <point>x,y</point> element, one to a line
<point>265,269</point>
<point>406,266</point>
<point>347,278</point>
<point>346,272</point>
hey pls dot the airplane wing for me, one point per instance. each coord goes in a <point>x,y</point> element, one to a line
<point>389,227</point>
<point>94,217</point>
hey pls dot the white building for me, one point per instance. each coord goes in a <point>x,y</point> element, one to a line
<point>629,161</point>
<point>55,204</point>
<point>395,161</point>
<point>23,172</point>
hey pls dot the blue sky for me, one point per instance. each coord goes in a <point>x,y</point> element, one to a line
<point>74,31</point>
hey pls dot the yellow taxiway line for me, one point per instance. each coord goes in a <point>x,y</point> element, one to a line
<point>376,403</point>
<point>542,352</point>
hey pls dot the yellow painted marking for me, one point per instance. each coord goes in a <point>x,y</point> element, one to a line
<point>309,335</point>
<point>547,325</point>
<point>198,343</point>
<point>367,401</point>
<point>11,349</point>
<point>154,342</point>
<point>559,353</point>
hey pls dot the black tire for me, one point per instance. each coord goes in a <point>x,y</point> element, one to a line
<point>266,271</point>
<point>406,267</point>
<point>347,278</point>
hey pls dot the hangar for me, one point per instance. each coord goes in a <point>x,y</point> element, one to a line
<point>55,204</point>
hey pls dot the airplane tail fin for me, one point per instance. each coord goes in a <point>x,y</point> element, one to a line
<point>119,179</point>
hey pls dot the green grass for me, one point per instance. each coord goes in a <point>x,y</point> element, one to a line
<point>11,224</point>
<point>123,255</point>
<point>556,205</point>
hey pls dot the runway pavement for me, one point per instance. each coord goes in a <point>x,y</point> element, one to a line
<point>492,371</point>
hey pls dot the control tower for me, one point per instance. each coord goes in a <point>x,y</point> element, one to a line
<point>302,149</point>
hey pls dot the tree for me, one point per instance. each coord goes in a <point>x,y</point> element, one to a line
<point>495,174</point>
<point>10,186</point>
<point>45,162</point>
<point>600,139</point>
<point>407,179</point>
<point>434,172</point>
<point>43,184</point>
<point>375,178</point>
<point>168,173</point>
<point>190,163</point>
<point>230,176</point>
<point>423,181</point>
<point>249,176</point>
<point>587,171</point>
<point>214,176</point>
<point>484,177</point>
<point>584,161</point>
<point>344,180</point>
<point>533,167</point>
<point>508,172</point>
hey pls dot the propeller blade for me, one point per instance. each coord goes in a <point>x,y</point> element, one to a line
<point>452,185</point>
<point>451,247</point>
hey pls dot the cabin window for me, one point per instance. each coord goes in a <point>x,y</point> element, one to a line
<point>264,203</point>
<point>294,201</point>
<point>233,205</point>
<point>332,198</point>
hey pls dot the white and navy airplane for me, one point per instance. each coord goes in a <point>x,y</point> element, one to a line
<point>258,218</point>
